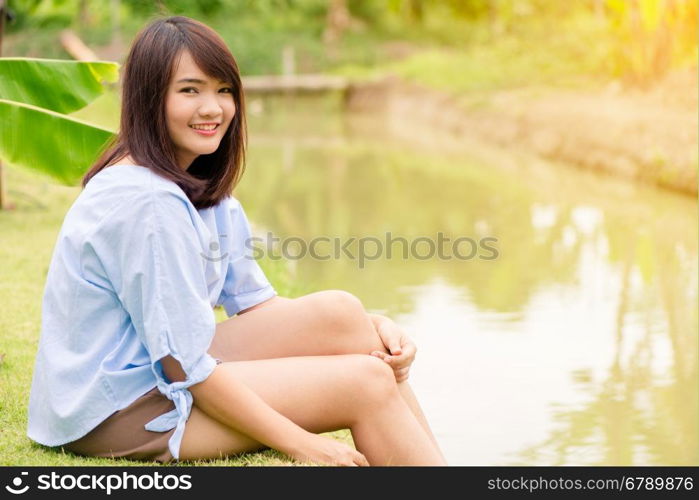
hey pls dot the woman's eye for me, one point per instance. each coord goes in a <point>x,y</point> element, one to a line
<point>189,90</point>
<point>228,90</point>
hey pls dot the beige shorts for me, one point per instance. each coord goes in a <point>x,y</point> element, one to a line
<point>123,435</point>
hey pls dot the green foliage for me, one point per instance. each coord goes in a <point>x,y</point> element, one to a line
<point>50,142</point>
<point>34,132</point>
<point>638,41</point>
<point>72,84</point>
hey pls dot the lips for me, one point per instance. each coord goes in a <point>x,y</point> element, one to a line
<point>210,129</point>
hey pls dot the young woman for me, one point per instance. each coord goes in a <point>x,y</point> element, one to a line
<point>131,362</point>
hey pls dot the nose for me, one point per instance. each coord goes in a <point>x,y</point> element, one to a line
<point>209,106</point>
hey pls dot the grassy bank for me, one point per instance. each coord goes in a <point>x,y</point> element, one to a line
<point>28,237</point>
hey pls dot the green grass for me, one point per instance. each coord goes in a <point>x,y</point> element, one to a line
<point>27,236</point>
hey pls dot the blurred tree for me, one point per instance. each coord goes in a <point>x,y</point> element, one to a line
<point>192,8</point>
<point>115,7</point>
<point>650,37</point>
<point>141,8</point>
<point>84,17</point>
<point>415,10</point>
<point>337,21</point>
<point>3,196</point>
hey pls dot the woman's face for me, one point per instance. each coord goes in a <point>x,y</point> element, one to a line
<point>198,111</point>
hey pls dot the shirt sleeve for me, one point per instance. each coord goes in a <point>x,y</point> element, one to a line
<point>245,284</point>
<point>158,274</point>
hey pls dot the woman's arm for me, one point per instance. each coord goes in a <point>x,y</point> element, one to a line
<point>232,403</point>
<point>229,401</point>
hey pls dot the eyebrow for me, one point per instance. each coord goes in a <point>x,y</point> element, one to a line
<point>197,80</point>
<point>190,80</point>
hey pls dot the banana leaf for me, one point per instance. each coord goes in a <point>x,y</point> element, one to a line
<point>58,85</point>
<point>49,142</point>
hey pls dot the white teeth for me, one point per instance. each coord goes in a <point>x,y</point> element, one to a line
<point>204,127</point>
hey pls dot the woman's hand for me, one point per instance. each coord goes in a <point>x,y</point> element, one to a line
<point>401,348</point>
<point>327,451</point>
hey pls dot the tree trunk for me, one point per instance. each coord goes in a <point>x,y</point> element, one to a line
<point>337,21</point>
<point>3,195</point>
<point>115,7</point>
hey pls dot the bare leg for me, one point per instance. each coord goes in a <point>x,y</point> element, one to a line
<point>320,394</point>
<point>409,397</point>
<point>321,323</point>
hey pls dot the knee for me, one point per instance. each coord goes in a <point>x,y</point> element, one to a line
<point>343,301</point>
<point>342,310</point>
<point>375,380</point>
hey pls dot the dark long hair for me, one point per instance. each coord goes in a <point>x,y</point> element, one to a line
<point>143,133</point>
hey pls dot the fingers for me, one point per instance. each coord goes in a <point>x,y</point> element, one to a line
<point>360,460</point>
<point>391,360</point>
<point>408,355</point>
<point>394,347</point>
<point>401,367</point>
<point>355,459</point>
<point>380,355</point>
<point>402,374</point>
<point>390,335</point>
<point>405,359</point>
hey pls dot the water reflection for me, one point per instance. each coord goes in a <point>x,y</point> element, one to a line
<point>577,345</point>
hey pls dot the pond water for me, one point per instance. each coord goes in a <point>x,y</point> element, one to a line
<point>573,342</point>
<point>558,325</point>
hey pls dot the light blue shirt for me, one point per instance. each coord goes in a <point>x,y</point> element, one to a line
<point>134,276</point>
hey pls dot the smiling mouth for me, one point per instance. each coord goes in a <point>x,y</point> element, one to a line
<point>208,130</point>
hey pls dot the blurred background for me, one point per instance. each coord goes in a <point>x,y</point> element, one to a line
<point>475,43</point>
<point>565,130</point>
